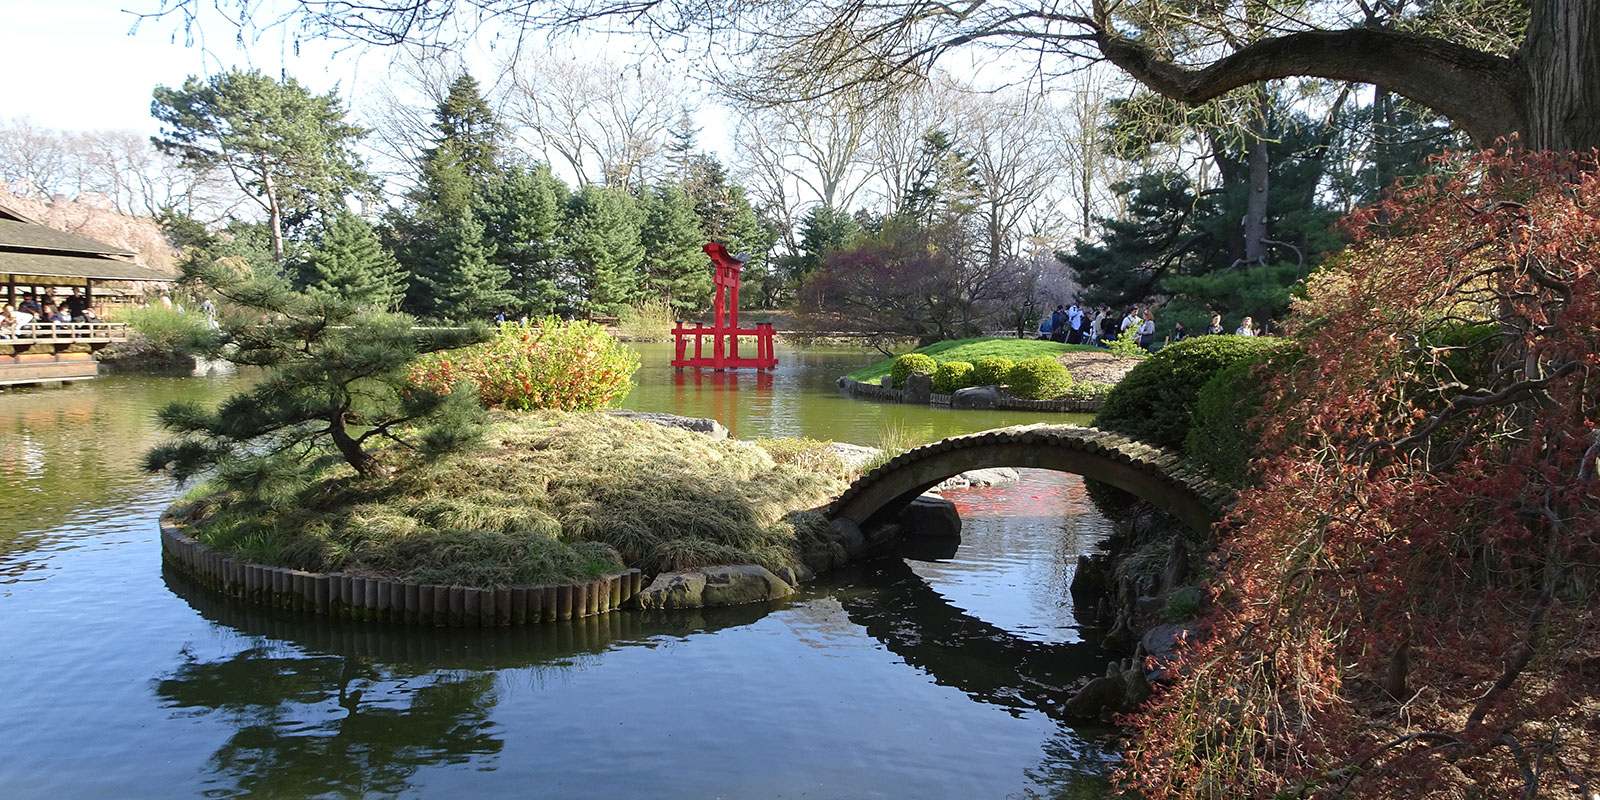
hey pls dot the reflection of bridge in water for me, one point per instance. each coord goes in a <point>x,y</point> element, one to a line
<point>1152,473</point>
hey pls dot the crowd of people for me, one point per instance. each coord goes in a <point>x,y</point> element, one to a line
<point>31,312</point>
<point>1084,324</point>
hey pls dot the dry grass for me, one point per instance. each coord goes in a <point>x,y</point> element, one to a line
<point>551,496</point>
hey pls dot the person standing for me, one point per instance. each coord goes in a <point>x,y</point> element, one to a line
<point>1147,331</point>
<point>1246,328</point>
<point>1215,328</point>
<point>1074,324</point>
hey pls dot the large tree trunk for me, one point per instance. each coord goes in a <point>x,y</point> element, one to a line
<point>1255,212</point>
<point>1549,93</point>
<point>1561,59</point>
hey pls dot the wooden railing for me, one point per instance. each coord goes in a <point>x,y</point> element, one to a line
<point>35,332</point>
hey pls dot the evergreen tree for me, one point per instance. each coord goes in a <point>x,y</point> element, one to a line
<point>674,264</point>
<point>522,221</point>
<point>603,249</point>
<point>823,230</point>
<point>681,141</point>
<point>467,130</point>
<point>336,386</point>
<point>944,182</point>
<point>463,283</point>
<point>290,150</point>
<point>350,264</point>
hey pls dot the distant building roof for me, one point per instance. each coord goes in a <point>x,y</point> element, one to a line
<point>33,253</point>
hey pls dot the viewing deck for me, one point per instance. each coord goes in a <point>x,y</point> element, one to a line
<point>55,351</point>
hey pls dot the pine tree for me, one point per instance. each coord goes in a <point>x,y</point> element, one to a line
<point>336,386</point>
<point>603,249</point>
<point>822,231</point>
<point>681,144</point>
<point>674,264</point>
<point>944,182</point>
<point>522,221</point>
<point>350,264</point>
<point>463,283</point>
<point>467,130</point>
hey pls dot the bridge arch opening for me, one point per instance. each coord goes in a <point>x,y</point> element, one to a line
<point>1154,474</point>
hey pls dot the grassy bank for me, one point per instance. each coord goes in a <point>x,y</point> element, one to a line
<point>971,350</point>
<point>550,497</point>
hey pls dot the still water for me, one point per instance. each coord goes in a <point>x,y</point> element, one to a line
<point>896,679</point>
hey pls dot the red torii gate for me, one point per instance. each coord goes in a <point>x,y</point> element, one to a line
<point>725,330</point>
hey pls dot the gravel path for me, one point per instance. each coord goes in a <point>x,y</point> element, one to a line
<point>1100,367</point>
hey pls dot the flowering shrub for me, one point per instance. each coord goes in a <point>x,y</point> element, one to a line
<point>1410,593</point>
<point>566,366</point>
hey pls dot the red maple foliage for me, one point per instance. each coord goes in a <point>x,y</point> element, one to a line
<point>1406,605</point>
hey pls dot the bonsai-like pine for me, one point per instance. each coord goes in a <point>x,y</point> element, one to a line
<point>336,389</point>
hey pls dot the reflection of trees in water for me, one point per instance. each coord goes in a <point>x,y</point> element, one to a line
<point>1072,769</point>
<point>321,725</point>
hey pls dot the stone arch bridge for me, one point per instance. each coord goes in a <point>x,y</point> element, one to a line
<point>1155,474</point>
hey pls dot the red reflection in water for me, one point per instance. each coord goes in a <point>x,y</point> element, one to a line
<point>722,386</point>
<point>1038,493</point>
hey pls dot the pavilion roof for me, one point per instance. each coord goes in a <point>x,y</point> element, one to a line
<point>32,253</point>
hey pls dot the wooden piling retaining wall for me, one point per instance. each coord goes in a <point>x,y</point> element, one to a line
<point>342,595</point>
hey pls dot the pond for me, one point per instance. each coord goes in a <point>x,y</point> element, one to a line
<point>893,679</point>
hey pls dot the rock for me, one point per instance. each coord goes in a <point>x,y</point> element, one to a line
<point>978,478</point>
<point>674,590</point>
<point>854,455</point>
<point>931,515</point>
<point>1121,690</point>
<point>709,427</point>
<point>796,574</point>
<point>847,535</point>
<point>918,388</point>
<point>976,397</point>
<point>1161,644</point>
<point>745,583</point>
<point>824,560</point>
<point>1177,566</point>
<point>887,382</point>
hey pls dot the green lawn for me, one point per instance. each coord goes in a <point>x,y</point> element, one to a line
<point>974,349</point>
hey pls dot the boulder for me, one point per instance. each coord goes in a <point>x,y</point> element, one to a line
<point>796,574</point>
<point>674,590</point>
<point>745,583</point>
<point>918,388</point>
<point>1161,645</point>
<point>931,515</point>
<point>978,478</point>
<point>709,427</point>
<point>854,455</point>
<point>887,382</point>
<point>976,397</point>
<point>848,536</point>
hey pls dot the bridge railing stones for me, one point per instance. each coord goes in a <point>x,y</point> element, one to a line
<point>1160,475</point>
<point>383,600</point>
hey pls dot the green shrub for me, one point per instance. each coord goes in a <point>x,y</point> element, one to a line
<point>1220,437</point>
<point>909,363</point>
<point>551,364</point>
<point>170,331</point>
<point>1128,343</point>
<point>1089,390</point>
<point>1155,401</point>
<point>1039,378</point>
<point>991,371</point>
<point>952,375</point>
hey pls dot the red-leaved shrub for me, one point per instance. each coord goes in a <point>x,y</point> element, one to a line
<point>1406,606</point>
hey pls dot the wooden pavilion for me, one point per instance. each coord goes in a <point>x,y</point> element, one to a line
<point>43,262</point>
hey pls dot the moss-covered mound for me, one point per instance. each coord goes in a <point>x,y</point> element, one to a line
<point>1155,402</point>
<point>974,350</point>
<point>550,497</point>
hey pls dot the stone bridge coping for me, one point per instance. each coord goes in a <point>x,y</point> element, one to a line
<point>1157,474</point>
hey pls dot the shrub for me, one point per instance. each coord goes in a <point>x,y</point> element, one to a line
<point>169,331</point>
<point>1155,401</point>
<point>991,371</point>
<point>1220,436</point>
<point>650,321</point>
<point>551,364</point>
<point>952,375</point>
<point>909,363</point>
<point>1038,378</point>
<point>1128,343</point>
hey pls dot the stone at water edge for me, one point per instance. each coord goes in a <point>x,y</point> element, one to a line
<point>975,397</point>
<point>737,585</point>
<point>709,427</point>
<point>674,590</point>
<point>931,515</point>
<point>918,388</point>
<point>979,479</point>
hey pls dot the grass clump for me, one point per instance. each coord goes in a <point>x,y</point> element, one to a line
<point>650,321</point>
<point>811,455</point>
<point>1039,378</point>
<point>951,376</point>
<point>550,364</point>
<point>974,350</point>
<point>907,364</point>
<point>550,497</point>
